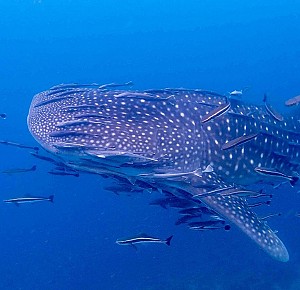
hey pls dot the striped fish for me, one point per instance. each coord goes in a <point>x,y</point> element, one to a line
<point>143,238</point>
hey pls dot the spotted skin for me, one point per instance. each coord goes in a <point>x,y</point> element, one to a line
<point>135,135</point>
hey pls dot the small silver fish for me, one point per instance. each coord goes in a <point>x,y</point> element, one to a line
<point>220,110</point>
<point>198,172</point>
<point>29,199</point>
<point>236,93</point>
<point>275,173</point>
<point>293,101</point>
<point>143,238</point>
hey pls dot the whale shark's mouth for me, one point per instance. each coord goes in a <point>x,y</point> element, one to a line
<point>199,148</point>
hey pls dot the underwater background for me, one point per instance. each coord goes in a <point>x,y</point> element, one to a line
<point>213,45</point>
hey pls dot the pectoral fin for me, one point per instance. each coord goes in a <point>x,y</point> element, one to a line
<point>236,210</point>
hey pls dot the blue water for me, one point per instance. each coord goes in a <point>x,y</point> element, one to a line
<point>215,45</point>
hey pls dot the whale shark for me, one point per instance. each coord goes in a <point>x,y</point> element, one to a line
<point>203,148</point>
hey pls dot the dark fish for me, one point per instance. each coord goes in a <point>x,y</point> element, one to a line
<point>206,223</point>
<point>19,170</point>
<point>196,211</point>
<point>127,188</point>
<point>19,145</point>
<point>45,158</point>
<point>216,112</point>
<point>172,202</point>
<point>3,115</point>
<point>145,134</point>
<point>270,216</point>
<point>205,228</point>
<point>271,111</point>
<point>186,218</point>
<point>268,202</point>
<point>275,173</point>
<point>143,238</point>
<point>63,173</point>
<point>238,141</point>
<point>32,199</point>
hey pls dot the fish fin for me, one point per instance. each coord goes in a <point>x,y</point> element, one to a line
<point>17,204</point>
<point>51,197</point>
<point>134,246</point>
<point>163,206</point>
<point>168,240</point>
<point>33,168</point>
<point>131,179</point>
<point>147,190</point>
<point>236,210</point>
<point>294,180</point>
<point>265,98</point>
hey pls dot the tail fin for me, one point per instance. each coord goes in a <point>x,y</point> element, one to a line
<point>265,98</point>
<point>294,180</point>
<point>33,168</point>
<point>51,197</point>
<point>168,240</point>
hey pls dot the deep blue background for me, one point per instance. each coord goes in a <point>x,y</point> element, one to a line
<point>216,45</point>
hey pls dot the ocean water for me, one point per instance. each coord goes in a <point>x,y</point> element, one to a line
<point>214,45</point>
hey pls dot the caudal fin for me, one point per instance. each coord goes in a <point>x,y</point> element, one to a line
<point>294,180</point>
<point>33,168</point>
<point>168,240</point>
<point>51,197</point>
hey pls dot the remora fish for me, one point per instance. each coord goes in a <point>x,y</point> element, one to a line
<point>4,142</point>
<point>29,199</point>
<point>275,173</point>
<point>293,101</point>
<point>19,170</point>
<point>143,238</point>
<point>165,126</point>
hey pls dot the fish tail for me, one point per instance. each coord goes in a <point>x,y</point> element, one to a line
<point>51,198</point>
<point>294,180</point>
<point>33,168</point>
<point>168,240</point>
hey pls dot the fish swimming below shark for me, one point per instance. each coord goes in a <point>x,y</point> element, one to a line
<point>134,137</point>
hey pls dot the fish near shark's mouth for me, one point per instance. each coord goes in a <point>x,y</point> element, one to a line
<point>190,144</point>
